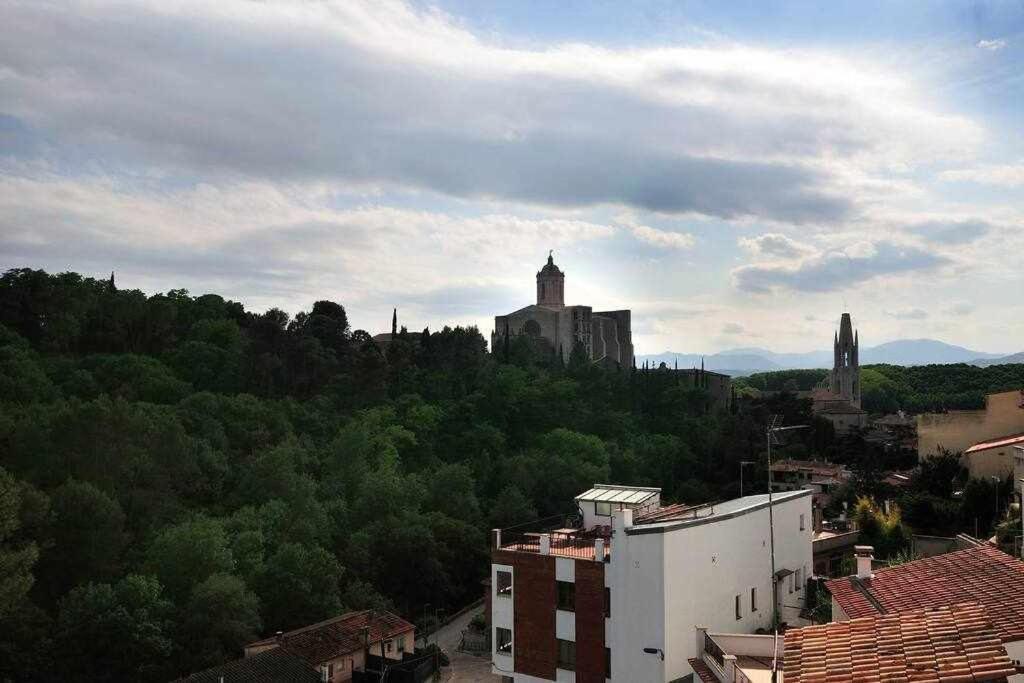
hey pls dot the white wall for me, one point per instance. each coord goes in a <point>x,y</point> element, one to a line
<point>502,615</point>
<point>666,584</point>
<point>636,580</point>
<point>1016,652</point>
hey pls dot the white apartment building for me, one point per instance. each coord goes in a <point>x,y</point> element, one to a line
<point>620,601</point>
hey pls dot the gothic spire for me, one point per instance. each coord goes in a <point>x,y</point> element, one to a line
<point>394,322</point>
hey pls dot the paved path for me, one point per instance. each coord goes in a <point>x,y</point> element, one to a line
<point>465,668</point>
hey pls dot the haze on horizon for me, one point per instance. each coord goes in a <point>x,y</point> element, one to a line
<point>735,176</point>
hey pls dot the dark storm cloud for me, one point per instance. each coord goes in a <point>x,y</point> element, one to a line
<point>836,270</point>
<point>222,93</point>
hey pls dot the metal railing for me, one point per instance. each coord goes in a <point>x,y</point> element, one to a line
<point>564,538</point>
<point>712,650</point>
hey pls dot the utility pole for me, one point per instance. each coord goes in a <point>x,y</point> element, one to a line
<point>774,427</point>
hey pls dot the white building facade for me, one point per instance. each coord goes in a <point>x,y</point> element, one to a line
<point>665,574</point>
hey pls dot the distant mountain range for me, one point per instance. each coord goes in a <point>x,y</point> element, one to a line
<point>745,361</point>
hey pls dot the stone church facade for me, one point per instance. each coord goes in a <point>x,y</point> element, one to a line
<point>605,336</point>
<point>839,401</point>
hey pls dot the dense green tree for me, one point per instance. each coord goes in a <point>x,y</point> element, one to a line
<point>16,558</point>
<point>219,618</point>
<point>299,585</point>
<point>186,554</point>
<point>87,528</point>
<point>114,632</point>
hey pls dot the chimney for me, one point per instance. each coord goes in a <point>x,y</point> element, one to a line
<point>864,555</point>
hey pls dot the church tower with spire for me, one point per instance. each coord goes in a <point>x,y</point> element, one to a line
<point>844,382</point>
<point>551,285</point>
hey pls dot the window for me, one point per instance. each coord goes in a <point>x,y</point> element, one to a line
<point>753,599</point>
<point>503,640</point>
<point>739,608</point>
<point>607,602</point>
<point>504,585</point>
<point>800,578</point>
<point>792,580</point>
<point>607,662</point>
<point>401,645</point>
<point>566,655</point>
<point>603,509</point>
<point>566,596</point>
<point>801,523</point>
<point>388,645</point>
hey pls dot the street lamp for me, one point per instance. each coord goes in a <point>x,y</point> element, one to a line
<point>774,428</point>
<point>742,463</point>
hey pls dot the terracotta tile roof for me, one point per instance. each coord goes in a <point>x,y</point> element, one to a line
<point>703,671</point>
<point>273,666</point>
<point>339,636</point>
<point>955,643</point>
<point>1013,439</point>
<point>982,574</point>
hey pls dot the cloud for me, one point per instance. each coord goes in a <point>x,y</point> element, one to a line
<point>993,45</point>
<point>952,232</point>
<point>774,244</point>
<point>1000,175</point>
<point>284,246</point>
<point>732,329</point>
<point>961,308</point>
<point>908,314</point>
<point>837,269</point>
<point>382,94</point>
<point>663,239</point>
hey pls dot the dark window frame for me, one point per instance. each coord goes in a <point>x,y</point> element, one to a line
<point>506,648</point>
<point>565,596</point>
<point>499,590</point>
<point>566,658</point>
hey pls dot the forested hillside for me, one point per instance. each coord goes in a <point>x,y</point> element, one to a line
<point>180,475</point>
<point>916,389</point>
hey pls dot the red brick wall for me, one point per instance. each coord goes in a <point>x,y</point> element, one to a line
<point>589,621</point>
<point>533,599</point>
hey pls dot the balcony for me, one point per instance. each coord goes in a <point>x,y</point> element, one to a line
<point>737,657</point>
<point>559,536</point>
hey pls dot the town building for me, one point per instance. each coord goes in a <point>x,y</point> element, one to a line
<point>604,336</point>
<point>958,430</point>
<point>614,595</point>
<point>950,643</point>
<point>980,574</point>
<point>384,339</point>
<point>337,647</point>
<point>819,477</point>
<point>992,458</point>
<point>838,399</point>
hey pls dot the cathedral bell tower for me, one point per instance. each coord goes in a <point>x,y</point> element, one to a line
<point>844,381</point>
<point>550,285</point>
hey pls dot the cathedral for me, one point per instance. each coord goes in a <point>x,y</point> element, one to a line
<point>839,401</point>
<point>603,335</point>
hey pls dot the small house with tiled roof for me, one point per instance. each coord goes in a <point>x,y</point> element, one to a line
<point>982,574</point>
<point>337,646</point>
<point>953,643</point>
<point>272,666</point>
<point>993,457</point>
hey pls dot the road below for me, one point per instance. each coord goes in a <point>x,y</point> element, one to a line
<point>465,668</point>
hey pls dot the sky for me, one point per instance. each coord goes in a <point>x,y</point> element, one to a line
<point>737,174</point>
